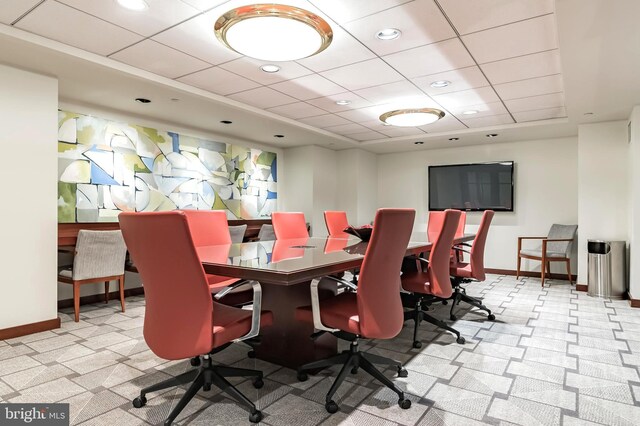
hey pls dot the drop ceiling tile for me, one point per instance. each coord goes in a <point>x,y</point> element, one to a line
<point>461,79</point>
<point>347,129</point>
<point>328,103</point>
<point>76,28</point>
<point>373,72</point>
<point>540,114</point>
<point>326,120</point>
<point>367,136</point>
<point>365,114</point>
<point>421,22</point>
<point>343,11</point>
<point>536,102</point>
<point>443,56</point>
<point>308,87</point>
<point>160,59</point>
<point>250,68</point>
<point>493,108</point>
<point>196,38</point>
<point>159,15</point>
<point>524,67</point>
<point>455,100</point>
<point>473,15</point>
<point>448,123</point>
<point>344,50</point>
<point>263,97</point>
<point>375,125</point>
<point>490,120</point>
<point>530,87</point>
<point>394,132</point>
<point>297,110</point>
<point>389,92</point>
<point>10,10</point>
<point>204,5</point>
<point>219,81</point>
<point>521,38</point>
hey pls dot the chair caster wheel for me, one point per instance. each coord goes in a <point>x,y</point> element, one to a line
<point>354,370</point>
<point>140,402</point>
<point>206,387</point>
<point>402,372</point>
<point>331,407</point>
<point>258,383</point>
<point>460,340</point>
<point>417,344</point>
<point>453,318</point>
<point>404,403</point>
<point>445,303</point>
<point>491,317</point>
<point>303,377</point>
<point>255,417</point>
<point>251,354</point>
<point>195,362</point>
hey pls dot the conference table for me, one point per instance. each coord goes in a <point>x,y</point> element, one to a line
<point>285,269</point>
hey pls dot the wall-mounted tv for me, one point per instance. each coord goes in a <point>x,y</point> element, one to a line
<point>472,187</point>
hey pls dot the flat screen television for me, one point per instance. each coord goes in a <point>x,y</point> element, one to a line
<point>472,187</point>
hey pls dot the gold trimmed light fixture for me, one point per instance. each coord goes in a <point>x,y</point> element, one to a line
<point>273,32</point>
<point>412,117</point>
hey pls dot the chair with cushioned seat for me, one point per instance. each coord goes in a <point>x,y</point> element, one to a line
<point>288,225</point>
<point>372,310</point>
<point>99,257</point>
<point>237,233</point>
<point>181,320</point>
<point>336,222</point>
<point>266,233</point>
<point>556,247</point>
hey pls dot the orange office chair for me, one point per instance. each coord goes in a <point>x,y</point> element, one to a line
<point>432,282</point>
<point>181,319</point>
<point>434,226</point>
<point>288,225</point>
<point>336,222</point>
<point>474,270</point>
<point>372,310</point>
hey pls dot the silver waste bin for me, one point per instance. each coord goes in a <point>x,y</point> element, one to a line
<point>606,269</point>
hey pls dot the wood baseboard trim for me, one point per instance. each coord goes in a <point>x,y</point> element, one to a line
<point>582,287</point>
<point>97,298</point>
<point>529,274</point>
<point>34,327</point>
<point>634,303</point>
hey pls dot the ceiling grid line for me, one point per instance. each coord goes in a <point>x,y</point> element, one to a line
<point>26,13</point>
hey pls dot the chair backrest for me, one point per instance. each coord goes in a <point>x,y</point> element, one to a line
<point>237,233</point>
<point>379,305</point>
<point>477,247</point>
<point>336,221</point>
<point>436,221</point>
<point>178,320</point>
<point>287,225</point>
<point>461,224</point>
<point>208,227</point>
<point>440,255</point>
<point>266,233</point>
<point>99,254</point>
<point>288,249</point>
<point>561,232</point>
<point>333,244</point>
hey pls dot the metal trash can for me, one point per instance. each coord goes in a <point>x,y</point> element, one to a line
<point>606,269</point>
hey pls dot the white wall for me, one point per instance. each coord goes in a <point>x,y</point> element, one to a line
<point>358,185</point>
<point>545,190</point>
<point>602,186</point>
<point>633,191</point>
<point>29,172</point>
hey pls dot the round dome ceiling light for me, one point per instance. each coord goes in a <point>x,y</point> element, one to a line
<point>343,102</point>
<point>388,34</point>
<point>412,117</point>
<point>270,68</point>
<point>137,5</point>
<point>273,32</point>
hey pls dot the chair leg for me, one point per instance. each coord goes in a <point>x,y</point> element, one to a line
<point>188,396</point>
<point>454,303</point>
<point>377,359</point>
<point>106,292</point>
<point>518,267</point>
<point>324,363</point>
<point>234,393</point>
<point>478,304</point>
<point>568,263</point>
<point>428,318</point>
<point>225,371</point>
<point>179,380</point>
<point>341,376</point>
<point>121,286</point>
<point>76,300</point>
<point>542,269</point>
<point>377,374</point>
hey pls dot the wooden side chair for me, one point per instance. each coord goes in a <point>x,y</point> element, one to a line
<point>99,257</point>
<point>556,247</point>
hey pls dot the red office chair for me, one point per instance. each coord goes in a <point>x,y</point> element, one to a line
<point>288,225</point>
<point>434,225</point>
<point>432,282</point>
<point>474,270</point>
<point>181,320</point>
<point>336,222</point>
<point>372,310</point>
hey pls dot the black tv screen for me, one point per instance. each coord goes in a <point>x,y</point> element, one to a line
<point>472,187</point>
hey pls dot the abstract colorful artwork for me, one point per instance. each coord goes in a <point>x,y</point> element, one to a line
<point>106,167</point>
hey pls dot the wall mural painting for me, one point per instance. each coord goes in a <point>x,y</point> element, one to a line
<point>106,167</point>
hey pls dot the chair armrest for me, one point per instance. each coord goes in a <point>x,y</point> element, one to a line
<point>351,286</point>
<point>256,310</point>
<point>456,248</point>
<point>531,238</point>
<point>557,239</point>
<point>315,306</point>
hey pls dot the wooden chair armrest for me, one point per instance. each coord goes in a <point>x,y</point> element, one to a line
<point>532,238</point>
<point>558,239</point>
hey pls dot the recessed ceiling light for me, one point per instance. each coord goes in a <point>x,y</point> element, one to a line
<point>143,100</point>
<point>492,135</point>
<point>343,102</point>
<point>454,139</point>
<point>588,113</point>
<point>270,68</point>
<point>419,143</point>
<point>273,32</point>
<point>440,83</point>
<point>175,100</point>
<point>136,5</point>
<point>470,112</point>
<point>278,136</point>
<point>412,117</point>
<point>388,34</point>
<point>226,121</point>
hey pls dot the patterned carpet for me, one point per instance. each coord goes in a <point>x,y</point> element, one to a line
<point>553,357</point>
